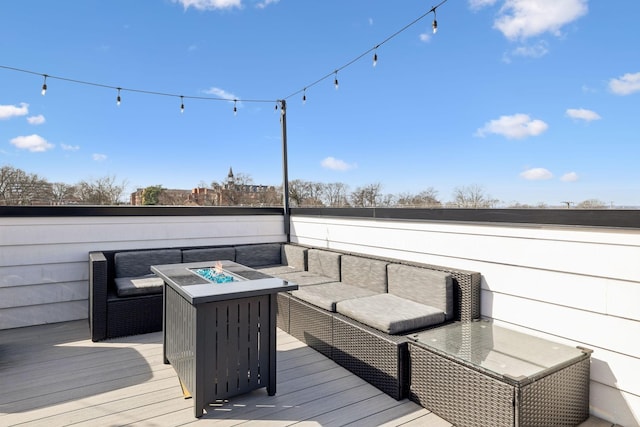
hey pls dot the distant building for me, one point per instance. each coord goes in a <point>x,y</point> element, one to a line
<point>228,193</point>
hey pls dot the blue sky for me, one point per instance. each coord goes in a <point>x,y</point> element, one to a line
<point>532,100</point>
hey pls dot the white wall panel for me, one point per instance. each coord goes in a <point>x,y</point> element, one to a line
<point>576,285</point>
<point>44,260</point>
<point>18,317</point>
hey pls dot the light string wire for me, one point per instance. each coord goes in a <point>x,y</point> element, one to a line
<point>333,73</point>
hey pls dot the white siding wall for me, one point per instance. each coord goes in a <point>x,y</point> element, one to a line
<point>576,285</point>
<point>44,260</point>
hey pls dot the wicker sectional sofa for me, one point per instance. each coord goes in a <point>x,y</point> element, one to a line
<point>356,309</point>
<point>125,298</point>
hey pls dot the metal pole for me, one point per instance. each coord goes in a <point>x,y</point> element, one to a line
<point>285,171</point>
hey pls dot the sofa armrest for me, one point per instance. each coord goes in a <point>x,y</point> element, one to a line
<point>98,284</point>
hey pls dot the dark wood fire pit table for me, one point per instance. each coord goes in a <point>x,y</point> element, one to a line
<point>220,337</point>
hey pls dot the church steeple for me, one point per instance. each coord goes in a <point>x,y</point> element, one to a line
<point>230,178</point>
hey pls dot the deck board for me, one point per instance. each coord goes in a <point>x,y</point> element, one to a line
<point>53,375</point>
<point>58,377</point>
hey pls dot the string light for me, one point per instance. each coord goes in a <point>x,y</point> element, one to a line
<point>235,110</point>
<point>435,22</point>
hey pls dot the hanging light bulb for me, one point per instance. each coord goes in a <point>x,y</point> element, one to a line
<point>181,104</point>
<point>435,23</point>
<point>235,108</point>
<point>44,85</point>
<point>335,80</point>
<point>375,58</point>
<point>304,96</point>
<point>118,99</point>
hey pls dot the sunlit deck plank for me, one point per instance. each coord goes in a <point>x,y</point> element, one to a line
<point>59,377</point>
<point>53,375</point>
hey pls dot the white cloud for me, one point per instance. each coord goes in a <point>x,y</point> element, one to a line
<point>99,157</point>
<point>520,19</point>
<point>9,111</point>
<point>569,177</point>
<point>536,174</point>
<point>625,85</point>
<point>517,126</point>
<point>266,3</point>
<point>220,93</point>
<point>209,4</point>
<point>479,4</point>
<point>336,164</point>
<point>425,37</point>
<point>34,143</point>
<point>36,120</point>
<point>582,114</point>
<point>537,50</point>
<point>66,147</point>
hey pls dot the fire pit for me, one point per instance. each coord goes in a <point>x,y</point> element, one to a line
<point>214,274</point>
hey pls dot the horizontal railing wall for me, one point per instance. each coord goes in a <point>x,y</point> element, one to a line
<point>44,251</point>
<point>571,276</point>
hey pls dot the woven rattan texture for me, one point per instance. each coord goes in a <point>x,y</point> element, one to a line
<point>374,356</point>
<point>466,397</point>
<point>559,399</point>
<point>311,325</point>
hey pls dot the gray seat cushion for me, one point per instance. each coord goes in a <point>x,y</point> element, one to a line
<point>277,270</point>
<point>304,278</point>
<point>364,272</point>
<point>324,263</point>
<point>294,256</point>
<point>390,313</point>
<point>259,255</point>
<point>135,286</point>
<point>327,295</point>
<point>429,287</point>
<point>138,263</point>
<point>208,254</point>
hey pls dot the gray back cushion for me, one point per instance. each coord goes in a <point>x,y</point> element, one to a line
<point>138,263</point>
<point>294,256</point>
<point>324,263</point>
<point>258,255</point>
<point>209,254</point>
<point>364,272</point>
<point>429,287</point>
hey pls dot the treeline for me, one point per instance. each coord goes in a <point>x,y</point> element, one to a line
<point>18,187</point>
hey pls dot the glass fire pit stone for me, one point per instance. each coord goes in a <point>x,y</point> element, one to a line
<point>212,275</point>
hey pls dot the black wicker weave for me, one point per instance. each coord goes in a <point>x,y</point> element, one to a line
<point>379,358</point>
<point>111,316</point>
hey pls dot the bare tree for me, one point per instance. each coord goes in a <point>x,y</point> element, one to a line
<point>425,199</point>
<point>591,204</point>
<point>367,196</point>
<point>335,194</point>
<point>62,193</point>
<point>100,191</point>
<point>472,196</point>
<point>305,193</point>
<point>18,187</point>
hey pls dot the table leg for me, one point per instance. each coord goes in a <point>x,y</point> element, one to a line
<point>273,307</point>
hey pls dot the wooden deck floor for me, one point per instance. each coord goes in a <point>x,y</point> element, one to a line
<point>53,375</point>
